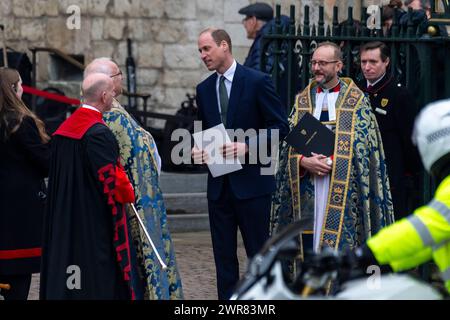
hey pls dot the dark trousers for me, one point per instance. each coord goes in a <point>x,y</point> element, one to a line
<point>225,216</point>
<point>20,286</point>
<point>400,203</point>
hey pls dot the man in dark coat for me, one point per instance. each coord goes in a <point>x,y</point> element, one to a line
<point>86,250</point>
<point>395,111</point>
<point>255,23</point>
<point>243,99</point>
<point>258,22</point>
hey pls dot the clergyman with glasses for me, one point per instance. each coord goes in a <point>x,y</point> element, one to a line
<point>346,194</point>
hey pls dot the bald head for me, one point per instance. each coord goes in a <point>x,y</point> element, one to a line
<point>98,91</point>
<point>109,68</point>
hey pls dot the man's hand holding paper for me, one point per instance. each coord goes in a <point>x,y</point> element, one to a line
<point>234,150</point>
<point>214,147</point>
<point>199,156</point>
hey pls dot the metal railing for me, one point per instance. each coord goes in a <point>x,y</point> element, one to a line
<point>418,59</point>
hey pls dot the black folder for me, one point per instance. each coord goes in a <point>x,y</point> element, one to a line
<point>310,135</point>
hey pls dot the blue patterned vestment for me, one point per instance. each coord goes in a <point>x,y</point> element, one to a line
<point>138,156</point>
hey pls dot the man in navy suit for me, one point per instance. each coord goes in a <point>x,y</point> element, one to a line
<point>240,98</point>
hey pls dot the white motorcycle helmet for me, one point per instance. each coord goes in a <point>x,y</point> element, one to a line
<point>431,134</point>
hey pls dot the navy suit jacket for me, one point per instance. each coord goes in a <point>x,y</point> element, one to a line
<point>253,104</point>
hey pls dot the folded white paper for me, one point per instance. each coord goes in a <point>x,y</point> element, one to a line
<point>211,140</point>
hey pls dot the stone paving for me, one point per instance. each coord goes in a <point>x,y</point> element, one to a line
<point>195,263</point>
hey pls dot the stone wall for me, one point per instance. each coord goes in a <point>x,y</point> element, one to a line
<point>164,35</point>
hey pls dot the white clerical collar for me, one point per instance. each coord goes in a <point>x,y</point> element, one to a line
<point>90,107</point>
<point>374,83</point>
<point>229,74</point>
<point>331,95</point>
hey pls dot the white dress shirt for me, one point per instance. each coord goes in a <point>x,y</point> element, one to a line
<point>86,106</point>
<point>373,84</point>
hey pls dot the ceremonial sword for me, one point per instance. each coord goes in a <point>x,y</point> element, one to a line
<point>163,265</point>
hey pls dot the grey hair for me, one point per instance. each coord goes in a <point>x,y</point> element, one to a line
<point>98,65</point>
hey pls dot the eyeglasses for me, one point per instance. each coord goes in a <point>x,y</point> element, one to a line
<point>321,64</point>
<point>117,74</point>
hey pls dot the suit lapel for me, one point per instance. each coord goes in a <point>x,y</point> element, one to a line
<point>235,95</point>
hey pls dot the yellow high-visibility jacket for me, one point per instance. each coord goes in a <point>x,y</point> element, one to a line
<point>422,236</point>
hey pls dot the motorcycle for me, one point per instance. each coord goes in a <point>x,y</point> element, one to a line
<point>266,277</point>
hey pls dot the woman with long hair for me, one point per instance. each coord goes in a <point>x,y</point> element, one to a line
<point>24,161</point>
